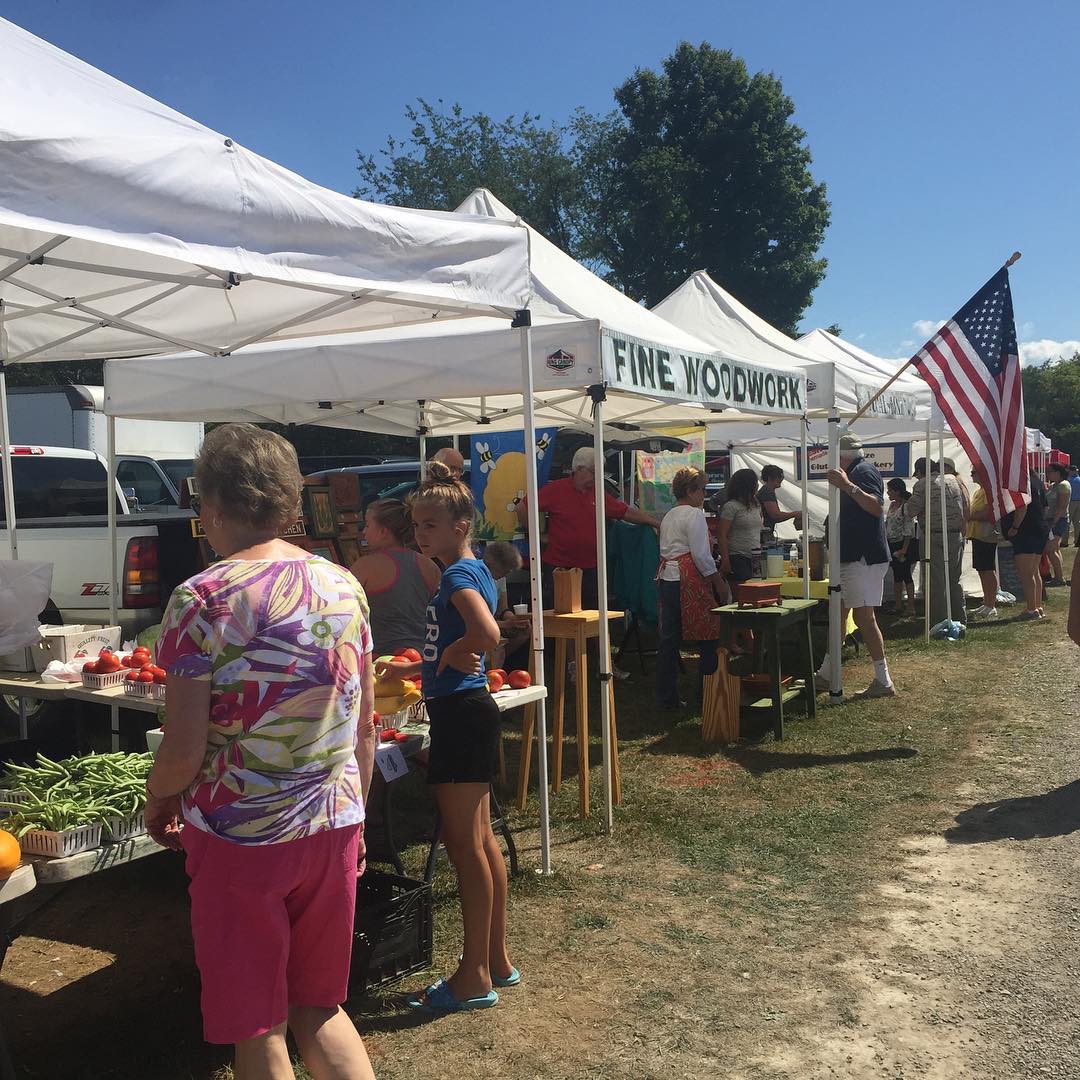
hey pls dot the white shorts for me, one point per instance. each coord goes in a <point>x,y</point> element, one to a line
<point>862,585</point>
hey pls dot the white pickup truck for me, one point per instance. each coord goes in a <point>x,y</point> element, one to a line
<point>61,518</point>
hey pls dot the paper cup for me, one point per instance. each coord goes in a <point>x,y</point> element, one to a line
<point>521,609</point>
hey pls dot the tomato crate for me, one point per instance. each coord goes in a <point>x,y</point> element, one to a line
<point>118,829</point>
<point>393,935</point>
<point>59,845</point>
<point>145,689</point>
<point>9,795</point>
<point>93,681</point>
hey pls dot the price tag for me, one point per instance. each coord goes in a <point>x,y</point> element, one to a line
<point>391,762</point>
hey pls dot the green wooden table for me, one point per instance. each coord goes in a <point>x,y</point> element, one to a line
<point>767,624</point>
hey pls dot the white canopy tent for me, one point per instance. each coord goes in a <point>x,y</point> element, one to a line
<point>127,228</point>
<point>844,377</point>
<point>588,356</point>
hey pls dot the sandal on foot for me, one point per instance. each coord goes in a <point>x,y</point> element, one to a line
<point>511,980</point>
<point>438,999</point>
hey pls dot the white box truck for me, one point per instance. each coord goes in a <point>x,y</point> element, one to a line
<point>152,456</point>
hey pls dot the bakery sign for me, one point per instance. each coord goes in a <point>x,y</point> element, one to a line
<point>644,367</point>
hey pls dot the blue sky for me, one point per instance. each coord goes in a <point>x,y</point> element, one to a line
<point>948,133</point>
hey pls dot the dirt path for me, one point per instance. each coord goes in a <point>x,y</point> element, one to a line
<point>966,964</point>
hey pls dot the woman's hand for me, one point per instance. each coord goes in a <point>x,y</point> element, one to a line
<point>460,659</point>
<point>398,669</point>
<point>162,820</point>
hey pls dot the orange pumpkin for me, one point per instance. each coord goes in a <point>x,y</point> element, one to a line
<point>9,854</point>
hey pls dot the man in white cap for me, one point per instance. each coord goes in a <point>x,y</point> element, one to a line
<point>864,558</point>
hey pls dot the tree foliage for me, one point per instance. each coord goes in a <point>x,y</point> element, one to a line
<point>701,167</point>
<point>546,173</point>
<point>709,172</point>
<point>1052,402</point>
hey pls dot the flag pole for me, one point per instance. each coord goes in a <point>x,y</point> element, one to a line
<point>1014,257</point>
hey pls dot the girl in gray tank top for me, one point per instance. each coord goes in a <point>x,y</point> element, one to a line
<point>399,582</point>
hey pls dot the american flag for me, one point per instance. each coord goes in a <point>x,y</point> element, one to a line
<point>973,367</point>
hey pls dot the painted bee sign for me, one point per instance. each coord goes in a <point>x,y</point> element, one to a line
<point>647,368</point>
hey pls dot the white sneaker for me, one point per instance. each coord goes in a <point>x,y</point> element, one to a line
<point>878,689</point>
<point>984,612</point>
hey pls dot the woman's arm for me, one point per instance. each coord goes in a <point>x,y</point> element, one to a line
<point>180,756</point>
<point>1018,518</point>
<point>365,726</point>
<point>723,532</point>
<point>701,547</point>
<point>481,632</point>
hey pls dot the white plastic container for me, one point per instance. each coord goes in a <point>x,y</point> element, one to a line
<point>59,845</point>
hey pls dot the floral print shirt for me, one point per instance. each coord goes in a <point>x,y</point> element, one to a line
<point>282,644</point>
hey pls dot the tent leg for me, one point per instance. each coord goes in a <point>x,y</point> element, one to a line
<point>5,464</point>
<point>805,514</point>
<point>604,641</point>
<point>423,457</point>
<point>110,483</point>
<point>944,530</point>
<point>836,629</point>
<point>925,531</point>
<point>537,607</point>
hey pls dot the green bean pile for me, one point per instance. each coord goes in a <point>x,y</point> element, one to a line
<point>76,791</point>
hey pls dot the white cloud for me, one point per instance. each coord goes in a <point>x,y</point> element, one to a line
<point>926,328</point>
<point>1043,349</point>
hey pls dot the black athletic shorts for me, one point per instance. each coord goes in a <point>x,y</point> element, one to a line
<point>464,738</point>
<point>983,555</point>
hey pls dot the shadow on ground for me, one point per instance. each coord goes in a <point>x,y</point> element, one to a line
<point>759,762</point>
<point>1054,813</point>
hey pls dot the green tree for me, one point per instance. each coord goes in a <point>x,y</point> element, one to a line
<point>1052,402</point>
<point>709,172</point>
<point>63,373</point>
<point>549,174</point>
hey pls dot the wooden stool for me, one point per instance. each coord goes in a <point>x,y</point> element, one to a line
<point>571,631</point>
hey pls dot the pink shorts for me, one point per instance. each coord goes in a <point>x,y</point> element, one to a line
<point>273,927</point>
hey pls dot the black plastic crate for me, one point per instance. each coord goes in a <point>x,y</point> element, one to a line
<point>393,934</point>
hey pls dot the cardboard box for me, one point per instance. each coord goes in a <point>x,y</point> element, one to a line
<point>71,642</point>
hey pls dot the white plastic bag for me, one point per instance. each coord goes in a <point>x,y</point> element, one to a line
<point>24,592</point>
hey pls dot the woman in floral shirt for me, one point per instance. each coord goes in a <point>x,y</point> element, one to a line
<point>268,750</point>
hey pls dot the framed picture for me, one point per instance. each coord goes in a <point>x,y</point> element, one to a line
<point>321,512</point>
<point>350,551</point>
<point>326,551</point>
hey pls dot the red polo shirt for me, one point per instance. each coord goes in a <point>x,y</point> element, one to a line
<point>572,523</point>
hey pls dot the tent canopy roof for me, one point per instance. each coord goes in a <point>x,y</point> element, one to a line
<point>115,208</point>
<point>466,372</point>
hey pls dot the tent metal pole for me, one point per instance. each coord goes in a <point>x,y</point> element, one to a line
<point>944,530</point>
<point>805,515</point>
<point>110,512</point>
<point>532,485</point>
<point>836,629</point>
<point>633,479</point>
<point>604,641</point>
<point>5,454</point>
<point>622,475</point>
<point>926,533</point>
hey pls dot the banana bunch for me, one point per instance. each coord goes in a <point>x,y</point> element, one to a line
<point>393,694</point>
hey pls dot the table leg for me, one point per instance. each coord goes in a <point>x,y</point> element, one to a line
<point>558,710</point>
<point>774,673</point>
<point>114,726</point>
<point>24,726</point>
<point>388,828</point>
<point>616,780</point>
<point>528,731</point>
<point>811,691</point>
<point>582,687</point>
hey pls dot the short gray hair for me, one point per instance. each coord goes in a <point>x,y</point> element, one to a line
<point>584,458</point>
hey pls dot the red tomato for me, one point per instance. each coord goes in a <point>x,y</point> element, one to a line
<point>156,671</point>
<point>501,672</point>
<point>145,676</point>
<point>387,735</point>
<point>160,677</point>
<point>90,667</point>
<point>131,676</point>
<point>105,652</point>
<point>140,650</point>
<point>495,682</point>
<point>108,663</point>
<point>375,718</point>
<point>401,736</point>
<point>519,680</point>
<point>411,655</point>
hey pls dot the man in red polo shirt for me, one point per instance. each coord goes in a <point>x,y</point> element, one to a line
<point>570,504</point>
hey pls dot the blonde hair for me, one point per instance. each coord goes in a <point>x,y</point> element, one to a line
<point>393,515</point>
<point>252,474</point>
<point>443,489</point>
<point>687,480</point>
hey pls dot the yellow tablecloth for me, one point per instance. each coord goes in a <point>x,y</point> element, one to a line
<point>792,587</point>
